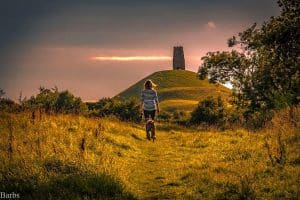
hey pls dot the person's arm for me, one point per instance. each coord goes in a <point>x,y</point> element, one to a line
<point>156,102</point>
<point>142,102</point>
<point>141,106</point>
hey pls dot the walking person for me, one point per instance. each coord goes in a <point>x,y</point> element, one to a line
<point>149,107</point>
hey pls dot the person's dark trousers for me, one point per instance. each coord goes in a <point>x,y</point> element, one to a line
<point>149,113</point>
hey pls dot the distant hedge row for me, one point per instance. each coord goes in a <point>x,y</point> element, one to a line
<point>51,101</point>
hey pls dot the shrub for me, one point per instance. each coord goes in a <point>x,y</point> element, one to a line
<point>67,103</point>
<point>128,110</point>
<point>257,119</point>
<point>9,105</point>
<point>165,116</point>
<point>44,100</point>
<point>210,111</point>
<point>6,104</point>
<point>53,101</point>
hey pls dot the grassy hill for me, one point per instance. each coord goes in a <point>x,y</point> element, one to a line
<point>73,157</point>
<point>177,89</point>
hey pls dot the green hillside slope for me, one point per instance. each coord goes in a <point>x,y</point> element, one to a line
<point>178,89</point>
<point>177,84</point>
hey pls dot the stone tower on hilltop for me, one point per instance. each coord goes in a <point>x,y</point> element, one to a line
<point>178,58</point>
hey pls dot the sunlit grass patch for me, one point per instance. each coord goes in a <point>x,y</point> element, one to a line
<point>179,104</point>
<point>60,151</point>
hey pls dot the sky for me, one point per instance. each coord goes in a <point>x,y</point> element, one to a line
<point>98,48</point>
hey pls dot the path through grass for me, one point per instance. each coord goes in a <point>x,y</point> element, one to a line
<point>189,164</point>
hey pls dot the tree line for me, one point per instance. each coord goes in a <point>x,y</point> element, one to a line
<point>52,101</point>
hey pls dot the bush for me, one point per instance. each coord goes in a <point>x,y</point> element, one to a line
<point>165,116</point>
<point>210,111</point>
<point>258,119</point>
<point>44,100</point>
<point>9,105</point>
<point>128,110</point>
<point>67,103</point>
<point>235,117</point>
<point>53,101</point>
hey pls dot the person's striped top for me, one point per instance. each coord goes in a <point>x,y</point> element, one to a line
<point>150,99</point>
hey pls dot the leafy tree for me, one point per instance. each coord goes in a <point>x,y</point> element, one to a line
<point>230,67</point>
<point>265,75</point>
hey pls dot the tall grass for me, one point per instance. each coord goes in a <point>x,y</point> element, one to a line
<point>281,135</point>
<point>59,157</point>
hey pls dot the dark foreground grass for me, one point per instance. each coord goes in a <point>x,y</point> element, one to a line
<point>58,180</point>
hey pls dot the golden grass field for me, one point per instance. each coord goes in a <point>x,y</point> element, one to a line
<point>73,157</point>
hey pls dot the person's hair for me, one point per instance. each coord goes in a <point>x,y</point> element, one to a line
<point>149,84</point>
